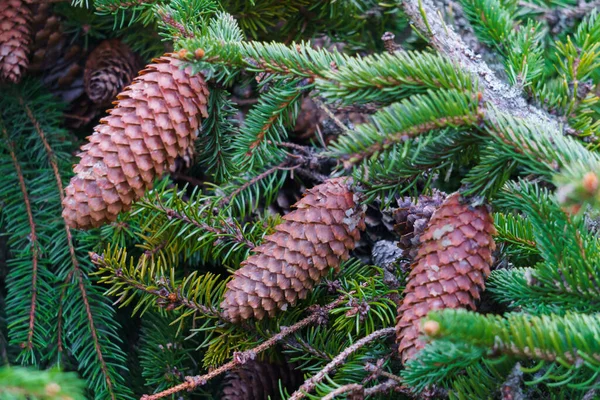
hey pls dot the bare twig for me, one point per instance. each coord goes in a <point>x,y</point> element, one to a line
<point>378,371</point>
<point>383,387</point>
<point>350,388</point>
<point>330,114</point>
<point>310,384</point>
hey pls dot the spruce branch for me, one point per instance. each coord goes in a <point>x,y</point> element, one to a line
<point>391,77</point>
<point>74,261</point>
<point>407,120</point>
<point>32,237</point>
<point>570,340</point>
<point>309,385</point>
<point>495,92</point>
<point>317,316</point>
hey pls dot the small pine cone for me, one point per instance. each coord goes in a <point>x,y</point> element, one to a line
<point>15,39</point>
<point>257,380</point>
<point>412,217</point>
<point>49,38</point>
<point>454,257</point>
<point>155,120</point>
<point>312,239</point>
<point>109,68</point>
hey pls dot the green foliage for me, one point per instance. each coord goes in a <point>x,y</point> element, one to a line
<point>52,305</point>
<point>266,125</point>
<point>214,141</point>
<point>165,356</point>
<point>17,383</point>
<point>569,343</point>
<point>464,370</point>
<point>389,78</point>
<point>521,46</point>
<point>406,120</point>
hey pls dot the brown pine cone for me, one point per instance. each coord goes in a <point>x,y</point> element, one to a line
<point>15,39</point>
<point>412,217</point>
<point>155,120</point>
<point>109,68</point>
<point>257,380</point>
<point>453,260</point>
<point>312,239</point>
<point>49,37</point>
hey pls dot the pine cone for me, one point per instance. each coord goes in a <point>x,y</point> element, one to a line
<point>412,217</point>
<point>49,37</point>
<point>154,120</point>
<point>257,380</point>
<point>454,257</point>
<point>109,68</point>
<point>15,39</point>
<point>312,239</point>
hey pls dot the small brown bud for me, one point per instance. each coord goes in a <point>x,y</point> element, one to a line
<point>172,297</point>
<point>52,389</point>
<point>199,53</point>
<point>182,53</point>
<point>431,328</point>
<point>590,182</point>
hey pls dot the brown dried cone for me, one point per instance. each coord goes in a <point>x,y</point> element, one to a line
<point>109,68</point>
<point>15,39</point>
<point>154,121</point>
<point>412,217</point>
<point>312,239</point>
<point>258,380</point>
<point>454,258</point>
<point>49,37</point>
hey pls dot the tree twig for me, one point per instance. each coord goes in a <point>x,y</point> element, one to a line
<point>350,388</point>
<point>496,92</point>
<point>310,384</point>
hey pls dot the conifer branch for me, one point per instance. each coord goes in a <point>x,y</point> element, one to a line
<point>318,316</point>
<point>496,92</point>
<point>32,237</point>
<point>309,385</point>
<point>232,231</point>
<point>226,200</point>
<point>74,261</point>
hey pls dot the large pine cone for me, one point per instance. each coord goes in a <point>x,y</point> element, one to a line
<point>312,239</point>
<point>454,258</point>
<point>109,68</point>
<point>257,380</point>
<point>15,39</point>
<point>155,120</point>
